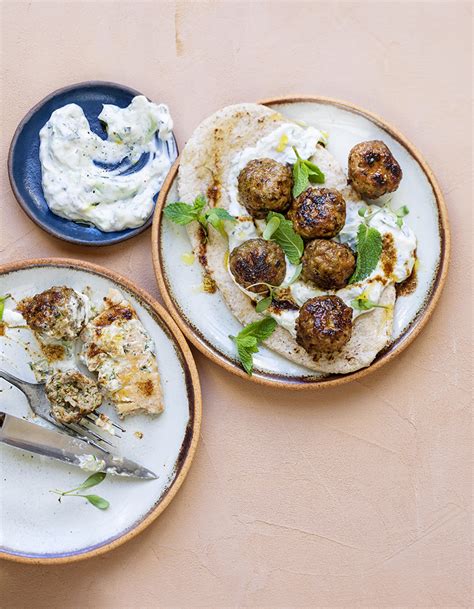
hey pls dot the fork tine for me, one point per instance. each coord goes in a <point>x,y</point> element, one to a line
<point>90,417</point>
<point>88,433</point>
<point>78,434</point>
<point>73,433</point>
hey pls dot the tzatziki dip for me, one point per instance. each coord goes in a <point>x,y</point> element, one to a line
<point>110,183</point>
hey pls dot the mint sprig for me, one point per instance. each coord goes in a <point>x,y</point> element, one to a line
<point>183,213</point>
<point>305,172</point>
<point>369,249</point>
<point>284,234</point>
<point>95,500</point>
<point>250,337</point>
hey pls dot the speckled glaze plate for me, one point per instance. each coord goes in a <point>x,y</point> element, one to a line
<point>24,167</point>
<point>205,318</point>
<point>34,527</point>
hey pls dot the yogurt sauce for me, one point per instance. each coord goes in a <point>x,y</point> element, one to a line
<point>91,180</point>
<point>404,240</point>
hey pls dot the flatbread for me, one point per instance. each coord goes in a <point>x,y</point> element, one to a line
<point>204,169</point>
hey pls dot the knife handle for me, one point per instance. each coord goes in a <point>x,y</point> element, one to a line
<point>2,419</point>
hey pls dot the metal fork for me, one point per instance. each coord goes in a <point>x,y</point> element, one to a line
<point>39,404</point>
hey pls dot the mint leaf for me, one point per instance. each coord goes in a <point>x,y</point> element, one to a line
<point>183,213</point>
<point>95,500</point>
<point>221,214</point>
<point>296,274</point>
<point>304,172</point>
<point>286,237</point>
<point>264,304</point>
<point>180,213</point>
<point>98,502</point>
<point>248,339</point>
<point>271,227</point>
<point>216,217</point>
<point>300,178</point>
<point>315,175</point>
<point>92,480</point>
<point>369,248</point>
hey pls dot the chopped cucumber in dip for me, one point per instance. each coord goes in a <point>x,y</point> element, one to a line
<point>91,180</point>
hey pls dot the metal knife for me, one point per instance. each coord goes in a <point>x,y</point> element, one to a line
<point>36,439</point>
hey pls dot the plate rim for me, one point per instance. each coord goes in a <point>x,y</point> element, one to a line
<point>195,386</point>
<point>20,199</point>
<point>385,355</point>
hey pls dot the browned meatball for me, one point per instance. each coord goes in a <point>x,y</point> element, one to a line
<point>324,325</point>
<point>265,185</point>
<point>257,262</point>
<point>72,395</point>
<point>373,170</point>
<point>327,264</point>
<point>318,212</point>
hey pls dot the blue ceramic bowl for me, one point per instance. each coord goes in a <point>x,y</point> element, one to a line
<point>24,167</point>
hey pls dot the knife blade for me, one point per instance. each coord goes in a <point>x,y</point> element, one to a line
<point>56,445</point>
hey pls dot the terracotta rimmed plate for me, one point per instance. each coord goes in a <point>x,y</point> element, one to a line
<point>24,167</point>
<point>206,320</point>
<point>35,527</point>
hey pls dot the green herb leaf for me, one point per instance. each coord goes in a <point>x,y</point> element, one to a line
<point>2,304</point>
<point>296,274</point>
<point>183,213</point>
<point>180,213</point>
<point>401,212</point>
<point>221,214</point>
<point>98,502</point>
<point>315,175</point>
<point>300,178</point>
<point>304,172</point>
<point>271,227</point>
<point>369,248</point>
<point>248,339</point>
<point>286,237</point>
<point>92,480</point>
<point>95,500</point>
<point>216,217</point>
<point>365,304</point>
<point>264,304</point>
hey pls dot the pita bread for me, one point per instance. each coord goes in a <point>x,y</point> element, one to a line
<point>204,169</point>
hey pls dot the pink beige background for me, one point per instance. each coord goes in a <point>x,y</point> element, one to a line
<point>353,497</point>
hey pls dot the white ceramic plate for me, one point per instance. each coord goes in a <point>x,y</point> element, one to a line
<point>206,320</point>
<point>33,525</point>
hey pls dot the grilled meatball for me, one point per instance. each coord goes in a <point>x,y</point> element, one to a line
<point>58,313</point>
<point>72,396</point>
<point>257,261</point>
<point>373,170</point>
<point>265,185</point>
<point>324,325</point>
<point>318,212</point>
<point>327,264</point>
